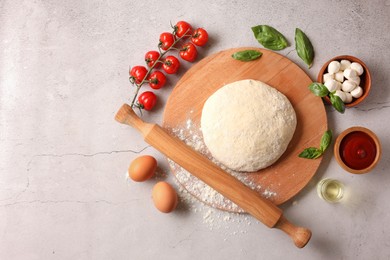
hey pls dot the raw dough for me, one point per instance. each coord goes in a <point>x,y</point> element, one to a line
<point>247,125</point>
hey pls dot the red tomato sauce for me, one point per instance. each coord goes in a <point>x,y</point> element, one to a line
<point>358,150</point>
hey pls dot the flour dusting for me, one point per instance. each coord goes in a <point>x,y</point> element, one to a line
<point>191,134</point>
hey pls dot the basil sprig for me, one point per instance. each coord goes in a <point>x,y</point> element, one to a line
<point>269,37</point>
<point>321,90</point>
<point>304,47</point>
<point>313,152</point>
<point>247,55</point>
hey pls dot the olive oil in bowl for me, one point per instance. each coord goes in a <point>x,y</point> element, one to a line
<point>330,190</point>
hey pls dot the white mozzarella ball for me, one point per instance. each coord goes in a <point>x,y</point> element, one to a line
<point>339,76</point>
<point>350,73</point>
<point>331,85</point>
<point>348,86</point>
<point>333,67</point>
<point>356,80</point>
<point>357,92</point>
<point>357,67</point>
<point>339,85</point>
<point>348,97</point>
<point>344,64</point>
<point>328,76</point>
<point>341,94</point>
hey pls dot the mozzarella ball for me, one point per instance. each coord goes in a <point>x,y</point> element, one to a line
<point>344,64</point>
<point>341,94</point>
<point>356,80</point>
<point>331,85</point>
<point>350,73</point>
<point>348,86</point>
<point>357,92</point>
<point>357,67</point>
<point>328,76</point>
<point>348,97</point>
<point>339,76</point>
<point>333,67</point>
<point>339,85</point>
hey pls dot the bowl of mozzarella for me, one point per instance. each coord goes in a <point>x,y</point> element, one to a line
<point>347,77</point>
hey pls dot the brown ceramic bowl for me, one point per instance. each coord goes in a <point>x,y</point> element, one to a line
<point>360,153</point>
<point>365,78</point>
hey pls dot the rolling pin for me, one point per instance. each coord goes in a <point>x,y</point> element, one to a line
<point>199,166</point>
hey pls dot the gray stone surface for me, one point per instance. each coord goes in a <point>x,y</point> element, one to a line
<point>63,159</point>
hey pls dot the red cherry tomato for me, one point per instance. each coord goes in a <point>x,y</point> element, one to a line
<point>171,64</point>
<point>200,37</point>
<point>138,73</point>
<point>147,100</point>
<point>183,28</point>
<point>157,79</point>
<point>151,57</point>
<point>188,52</point>
<point>166,40</point>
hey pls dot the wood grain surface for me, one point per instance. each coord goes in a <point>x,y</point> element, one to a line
<point>289,174</point>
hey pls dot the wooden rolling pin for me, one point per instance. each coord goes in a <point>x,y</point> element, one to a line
<point>198,165</point>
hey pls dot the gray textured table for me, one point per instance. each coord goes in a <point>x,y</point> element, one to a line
<point>63,159</point>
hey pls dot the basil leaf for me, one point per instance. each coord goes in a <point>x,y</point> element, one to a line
<point>326,140</point>
<point>318,89</point>
<point>247,55</point>
<point>269,37</point>
<point>337,103</point>
<point>310,153</point>
<point>303,47</point>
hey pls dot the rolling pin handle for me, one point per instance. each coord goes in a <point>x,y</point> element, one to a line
<point>299,235</point>
<point>126,115</point>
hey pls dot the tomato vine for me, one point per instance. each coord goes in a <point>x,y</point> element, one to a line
<point>140,75</point>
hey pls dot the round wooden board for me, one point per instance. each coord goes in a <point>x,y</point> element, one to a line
<point>289,174</point>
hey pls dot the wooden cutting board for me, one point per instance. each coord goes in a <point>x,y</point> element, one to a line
<point>289,174</point>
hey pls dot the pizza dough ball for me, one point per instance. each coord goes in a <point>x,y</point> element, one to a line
<point>247,125</point>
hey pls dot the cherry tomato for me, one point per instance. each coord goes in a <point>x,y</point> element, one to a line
<point>157,79</point>
<point>166,40</point>
<point>147,100</point>
<point>188,52</point>
<point>171,64</point>
<point>151,57</point>
<point>138,73</point>
<point>183,28</point>
<point>200,37</point>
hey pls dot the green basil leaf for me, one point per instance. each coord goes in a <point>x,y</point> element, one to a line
<point>269,37</point>
<point>337,103</point>
<point>326,140</point>
<point>247,55</point>
<point>310,153</point>
<point>303,47</point>
<point>318,89</point>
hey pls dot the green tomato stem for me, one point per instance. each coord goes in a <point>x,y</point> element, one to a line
<point>159,60</point>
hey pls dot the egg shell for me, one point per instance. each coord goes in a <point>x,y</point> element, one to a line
<point>142,168</point>
<point>345,64</point>
<point>357,67</point>
<point>164,197</point>
<point>333,67</point>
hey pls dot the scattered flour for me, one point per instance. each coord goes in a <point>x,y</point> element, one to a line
<point>191,134</point>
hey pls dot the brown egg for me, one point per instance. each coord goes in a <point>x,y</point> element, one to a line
<point>142,168</point>
<point>164,197</point>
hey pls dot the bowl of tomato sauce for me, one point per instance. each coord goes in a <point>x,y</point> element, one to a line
<point>357,150</point>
